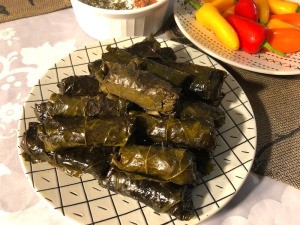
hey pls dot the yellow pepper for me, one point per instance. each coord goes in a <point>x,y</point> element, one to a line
<point>277,23</point>
<point>223,5</point>
<point>263,11</point>
<point>283,7</point>
<point>209,16</point>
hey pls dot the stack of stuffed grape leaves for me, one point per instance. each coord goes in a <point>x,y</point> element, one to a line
<point>143,124</point>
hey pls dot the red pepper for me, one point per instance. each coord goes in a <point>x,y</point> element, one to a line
<point>252,35</point>
<point>247,9</point>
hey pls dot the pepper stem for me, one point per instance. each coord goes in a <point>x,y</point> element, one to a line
<point>270,48</point>
<point>196,5</point>
<point>262,23</point>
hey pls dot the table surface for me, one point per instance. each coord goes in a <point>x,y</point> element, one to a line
<point>28,47</point>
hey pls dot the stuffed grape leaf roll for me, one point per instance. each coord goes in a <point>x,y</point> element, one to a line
<point>167,164</point>
<point>79,85</point>
<point>198,110</point>
<point>101,105</point>
<point>151,48</point>
<point>33,147</point>
<point>186,133</point>
<point>62,132</point>
<point>176,200</point>
<point>176,77</point>
<point>205,83</point>
<point>140,87</point>
<point>77,161</point>
<point>73,161</point>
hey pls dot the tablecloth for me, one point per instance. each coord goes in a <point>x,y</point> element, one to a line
<point>16,9</point>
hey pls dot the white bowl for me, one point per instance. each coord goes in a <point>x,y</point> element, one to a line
<point>104,23</point>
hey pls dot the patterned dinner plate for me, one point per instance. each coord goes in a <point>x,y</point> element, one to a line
<point>262,62</point>
<point>84,201</point>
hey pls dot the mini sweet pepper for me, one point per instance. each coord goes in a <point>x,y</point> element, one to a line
<point>263,11</point>
<point>282,6</point>
<point>247,9</point>
<point>209,16</point>
<point>277,23</point>
<point>285,39</point>
<point>252,35</point>
<point>291,18</point>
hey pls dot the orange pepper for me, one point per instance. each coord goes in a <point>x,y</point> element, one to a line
<point>291,18</point>
<point>284,39</point>
<point>277,23</point>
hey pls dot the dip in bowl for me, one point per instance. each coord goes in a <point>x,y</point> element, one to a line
<point>122,18</point>
<point>119,4</point>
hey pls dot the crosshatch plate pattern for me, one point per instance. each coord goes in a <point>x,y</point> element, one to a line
<point>263,62</point>
<point>84,201</point>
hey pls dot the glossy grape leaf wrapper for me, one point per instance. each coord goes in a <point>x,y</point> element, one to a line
<point>117,55</point>
<point>74,161</point>
<point>187,133</point>
<point>140,87</point>
<point>205,83</point>
<point>32,146</point>
<point>59,133</point>
<point>150,48</point>
<point>162,197</point>
<point>201,110</point>
<point>78,85</point>
<point>168,164</point>
<point>100,106</point>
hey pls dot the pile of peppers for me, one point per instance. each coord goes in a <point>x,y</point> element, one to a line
<point>252,25</point>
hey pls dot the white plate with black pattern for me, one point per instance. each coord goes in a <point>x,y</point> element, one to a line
<point>84,201</point>
<point>262,62</point>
